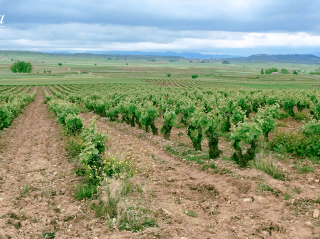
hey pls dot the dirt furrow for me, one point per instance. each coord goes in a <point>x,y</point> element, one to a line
<point>31,90</point>
<point>200,204</point>
<point>37,183</point>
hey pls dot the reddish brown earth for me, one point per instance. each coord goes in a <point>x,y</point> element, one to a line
<point>24,89</point>
<point>37,187</point>
<point>37,184</point>
<point>228,205</point>
<point>48,90</point>
<point>32,89</point>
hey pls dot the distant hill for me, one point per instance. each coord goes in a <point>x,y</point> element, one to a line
<point>187,55</point>
<point>317,54</point>
<point>296,58</point>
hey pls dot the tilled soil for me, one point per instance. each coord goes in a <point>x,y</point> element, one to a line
<point>222,206</point>
<point>37,184</point>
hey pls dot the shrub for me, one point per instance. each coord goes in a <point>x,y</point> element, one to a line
<point>296,143</point>
<point>244,134</point>
<point>21,67</point>
<point>74,123</point>
<point>194,76</point>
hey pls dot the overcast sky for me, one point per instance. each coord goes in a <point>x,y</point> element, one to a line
<point>236,27</point>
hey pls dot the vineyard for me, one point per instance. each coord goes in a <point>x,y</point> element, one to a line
<point>12,101</point>
<point>176,159</point>
<point>242,117</point>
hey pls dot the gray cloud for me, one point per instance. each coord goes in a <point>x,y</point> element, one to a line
<point>205,25</point>
<point>228,15</point>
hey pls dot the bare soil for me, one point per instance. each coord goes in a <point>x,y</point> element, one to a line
<point>227,205</point>
<point>32,90</point>
<point>37,184</point>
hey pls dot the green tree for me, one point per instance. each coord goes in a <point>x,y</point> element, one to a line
<point>225,62</point>
<point>284,71</point>
<point>59,64</point>
<point>270,70</point>
<point>169,75</point>
<point>262,72</point>
<point>295,72</point>
<point>194,76</point>
<point>21,67</point>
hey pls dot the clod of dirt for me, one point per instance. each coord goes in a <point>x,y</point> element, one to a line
<point>163,213</point>
<point>315,213</point>
<point>171,180</point>
<point>207,190</point>
<point>273,227</point>
<point>248,200</point>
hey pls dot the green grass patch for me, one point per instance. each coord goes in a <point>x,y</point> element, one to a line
<point>263,187</point>
<point>267,166</point>
<point>191,214</point>
<point>188,154</point>
<point>304,169</point>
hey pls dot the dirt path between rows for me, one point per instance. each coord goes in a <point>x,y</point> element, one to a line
<point>32,90</point>
<point>37,183</point>
<point>221,206</point>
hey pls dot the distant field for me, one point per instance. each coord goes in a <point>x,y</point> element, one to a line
<point>94,69</point>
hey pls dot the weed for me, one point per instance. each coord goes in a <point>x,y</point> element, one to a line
<point>314,160</point>
<point>139,189</point>
<point>25,190</point>
<point>210,165</point>
<point>283,115</point>
<point>141,135</point>
<point>16,225</point>
<point>113,205</point>
<point>263,187</point>
<point>304,169</point>
<point>222,171</point>
<point>152,193</point>
<point>191,214</point>
<point>267,166</point>
<point>296,190</point>
<point>73,145</point>
<point>48,235</point>
<point>85,190</point>
<point>109,223</point>
<point>281,124</point>
<point>288,194</point>
<point>180,126</point>
<point>296,143</point>
<point>301,116</point>
<point>190,155</point>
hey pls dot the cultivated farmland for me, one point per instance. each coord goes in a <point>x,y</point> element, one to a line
<point>137,154</point>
